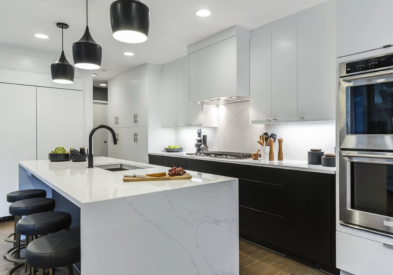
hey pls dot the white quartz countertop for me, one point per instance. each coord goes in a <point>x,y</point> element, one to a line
<point>81,185</point>
<point>300,165</point>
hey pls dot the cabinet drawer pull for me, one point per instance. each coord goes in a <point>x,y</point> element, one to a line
<point>388,245</point>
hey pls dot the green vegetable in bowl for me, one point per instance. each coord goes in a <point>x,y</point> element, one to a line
<point>173,147</point>
<point>60,150</point>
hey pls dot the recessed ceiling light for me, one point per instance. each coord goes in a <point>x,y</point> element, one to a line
<point>128,54</point>
<point>233,97</point>
<point>103,84</point>
<point>41,36</point>
<point>94,74</point>
<point>203,13</point>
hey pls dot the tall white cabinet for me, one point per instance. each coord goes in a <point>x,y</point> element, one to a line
<point>18,135</point>
<point>134,112</point>
<point>292,68</point>
<point>59,120</point>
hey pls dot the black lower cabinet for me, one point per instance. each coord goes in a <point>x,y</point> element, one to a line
<point>177,162</point>
<point>211,167</point>
<point>261,228</point>
<point>309,214</point>
<point>156,160</point>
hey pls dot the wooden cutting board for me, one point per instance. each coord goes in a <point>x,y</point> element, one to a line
<point>132,179</point>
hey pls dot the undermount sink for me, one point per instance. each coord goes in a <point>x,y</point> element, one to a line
<point>119,167</point>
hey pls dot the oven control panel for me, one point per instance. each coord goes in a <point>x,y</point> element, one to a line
<point>369,64</point>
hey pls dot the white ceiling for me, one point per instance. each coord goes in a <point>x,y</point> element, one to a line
<point>173,26</point>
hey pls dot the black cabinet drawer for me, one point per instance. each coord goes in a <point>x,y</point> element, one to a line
<point>177,162</point>
<point>211,167</point>
<point>156,160</point>
<point>263,174</point>
<point>260,228</point>
<point>261,196</point>
<point>309,215</point>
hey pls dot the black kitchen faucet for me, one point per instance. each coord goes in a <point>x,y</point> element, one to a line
<point>90,158</point>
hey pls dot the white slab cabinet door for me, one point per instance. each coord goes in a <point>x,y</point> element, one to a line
<point>284,73</point>
<point>169,97</point>
<point>59,120</point>
<point>316,67</point>
<point>261,77</point>
<point>363,25</point>
<point>18,135</point>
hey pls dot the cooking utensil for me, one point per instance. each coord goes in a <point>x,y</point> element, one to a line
<point>273,136</point>
<point>157,175</point>
<point>266,134</point>
<point>261,140</point>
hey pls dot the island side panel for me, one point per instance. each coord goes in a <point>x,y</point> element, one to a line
<point>29,181</point>
<point>185,231</point>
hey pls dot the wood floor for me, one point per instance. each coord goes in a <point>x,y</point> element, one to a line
<point>253,260</point>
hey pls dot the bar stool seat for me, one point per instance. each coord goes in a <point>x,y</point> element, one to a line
<point>26,194</point>
<point>31,206</point>
<point>55,250</point>
<point>43,223</point>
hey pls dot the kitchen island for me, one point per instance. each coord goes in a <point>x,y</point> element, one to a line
<point>159,227</point>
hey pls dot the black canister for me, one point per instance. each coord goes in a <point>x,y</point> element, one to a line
<point>329,160</point>
<point>315,157</point>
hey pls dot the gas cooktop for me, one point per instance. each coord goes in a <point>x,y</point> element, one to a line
<point>225,155</point>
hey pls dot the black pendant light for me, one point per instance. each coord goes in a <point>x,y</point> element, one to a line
<point>130,21</point>
<point>62,71</point>
<point>86,52</point>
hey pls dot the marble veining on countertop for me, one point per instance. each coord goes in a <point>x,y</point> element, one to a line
<point>300,165</point>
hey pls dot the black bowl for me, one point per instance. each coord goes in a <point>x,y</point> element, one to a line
<point>78,158</point>
<point>59,157</point>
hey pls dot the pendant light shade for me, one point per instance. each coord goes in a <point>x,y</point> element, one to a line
<point>130,21</point>
<point>86,52</point>
<point>62,71</point>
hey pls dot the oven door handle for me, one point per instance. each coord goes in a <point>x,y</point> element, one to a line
<point>355,77</point>
<point>368,158</point>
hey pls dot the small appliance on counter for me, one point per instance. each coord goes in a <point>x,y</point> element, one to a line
<point>198,143</point>
<point>329,160</point>
<point>204,147</point>
<point>315,156</point>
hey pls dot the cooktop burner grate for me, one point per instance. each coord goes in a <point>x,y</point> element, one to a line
<point>229,155</point>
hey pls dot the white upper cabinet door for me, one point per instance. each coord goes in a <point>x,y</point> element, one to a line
<point>59,120</point>
<point>213,71</point>
<point>363,25</point>
<point>18,135</point>
<point>119,101</point>
<point>137,85</point>
<point>140,146</point>
<point>317,66</point>
<point>183,91</point>
<point>261,77</point>
<point>284,73</point>
<point>169,96</point>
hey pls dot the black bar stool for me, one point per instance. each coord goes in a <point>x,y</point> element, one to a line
<point>62,249</point>
<point>41,224</point>
<point>22,195</point>
<point>24,208</point>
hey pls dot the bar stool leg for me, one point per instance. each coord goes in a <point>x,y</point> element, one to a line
<point>29,239</point>
<point>41,271</point>
<point>70,270</point>
<point>52,271</point>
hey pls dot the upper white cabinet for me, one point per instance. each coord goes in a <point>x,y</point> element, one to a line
<point>284,73</point>
<point>176,109</point>
<point>219,66</point>
<point>261,76</point>
<point>128,99</point>
<point>316,66</point>
<point>18,135</point>
<point>363,25</point>
<point>292,68</point>
<point>59,120</point>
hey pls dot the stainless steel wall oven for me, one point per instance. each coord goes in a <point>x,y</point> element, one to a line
<point>366,144</point>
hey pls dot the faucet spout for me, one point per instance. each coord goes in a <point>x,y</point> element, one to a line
<point>90,157</point>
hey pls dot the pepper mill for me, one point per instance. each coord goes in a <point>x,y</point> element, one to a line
<point>271,151</point>
<point>280,153</point>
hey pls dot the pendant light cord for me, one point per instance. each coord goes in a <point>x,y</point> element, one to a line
<point>87,14</point>
<point>62,42</point>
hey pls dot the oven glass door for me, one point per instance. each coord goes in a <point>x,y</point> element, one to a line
<point>370,109</point>
<point>372,188</point>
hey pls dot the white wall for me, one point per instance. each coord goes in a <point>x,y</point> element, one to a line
<point>235,133</point>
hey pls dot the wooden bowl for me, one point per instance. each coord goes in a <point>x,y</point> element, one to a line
<point>255,156</point>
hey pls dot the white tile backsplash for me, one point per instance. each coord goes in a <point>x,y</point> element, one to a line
<point>235,133</point>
